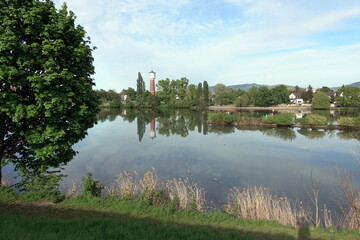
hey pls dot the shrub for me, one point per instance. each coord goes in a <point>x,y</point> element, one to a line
<point>314,119</point>
<point>221,117</point>
<point>41,186</point>
<point>347,122</point>
<point>90,187</point>
<point>320,101</point>
<point>282,119</point>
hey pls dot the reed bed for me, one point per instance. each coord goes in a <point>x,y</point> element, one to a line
<point>189,195</point>
<point>257,203</point>
<point>128,185</point>
<point>252,203</point>
<point>180,192</point>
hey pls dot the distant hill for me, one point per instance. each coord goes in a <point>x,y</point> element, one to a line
<point>247,86</point>
<point>355,84</point>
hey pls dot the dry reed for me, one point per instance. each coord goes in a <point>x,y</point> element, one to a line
<point>128,185</point>
<point>189,195</point>
<point>257,203</point>
<point>348,200</point>
<point>73,191</point>
<point>5,182</point>
<point>328,222</point>
<point>149,182</point>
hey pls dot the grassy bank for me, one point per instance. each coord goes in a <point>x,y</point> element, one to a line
<point>286,119</point>
<point>23,216</point>
<point>111,218</point>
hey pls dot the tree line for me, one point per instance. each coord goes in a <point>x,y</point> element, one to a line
<point>180,94</point>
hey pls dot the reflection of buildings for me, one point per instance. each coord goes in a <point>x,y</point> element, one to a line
<point>152,134</point>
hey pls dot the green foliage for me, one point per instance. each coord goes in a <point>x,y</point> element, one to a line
<point>42,186</point>
<point>348,96</point>
<point>7,194</point>
<point>224,98</point>
<point>242,101</point>
<point>80,218</point>
<point>221,117</point>
<point>281,119</point>
<point>263,97</point>
<point>349,121</point>
<point>320,101</point>
<point>223,94</point>
<point>315,120</point>
<point>206,92</point>
<point>90,187</point>
<point>157,198</point>
<point>280,94</point>
<point>131,94</point>
<point>46,98</point>
<point>116,103</point>
<point>140,89</point>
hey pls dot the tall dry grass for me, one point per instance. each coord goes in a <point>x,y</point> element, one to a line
<point>348,200</point>
<point>257,203</point>
<point>328,222</point>
<point>5,182</point>
<point>189,195</point>
<point>128,185</point>
<point>73,190</point>
<point>185,194</point>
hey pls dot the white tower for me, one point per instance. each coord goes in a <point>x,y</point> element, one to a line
<point>152,75</point>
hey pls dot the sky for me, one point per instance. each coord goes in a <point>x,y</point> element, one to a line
<point>293,42</point>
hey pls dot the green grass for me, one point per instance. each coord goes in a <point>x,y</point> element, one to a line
<point>110,218</point>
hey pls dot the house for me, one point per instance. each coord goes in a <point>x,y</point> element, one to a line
<point>123,96</point>
<point>296,98</point>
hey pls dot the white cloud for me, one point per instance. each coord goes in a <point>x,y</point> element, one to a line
<point>237,41</point>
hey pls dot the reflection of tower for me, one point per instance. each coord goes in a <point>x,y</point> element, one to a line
<point>152,82</point>
<point>152,129</point>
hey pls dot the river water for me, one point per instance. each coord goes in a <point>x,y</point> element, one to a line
<point>180,144</point>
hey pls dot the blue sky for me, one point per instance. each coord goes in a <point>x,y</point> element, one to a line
<point>294,42</point>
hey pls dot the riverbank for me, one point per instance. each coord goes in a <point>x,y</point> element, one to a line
<point>293,107</point>
<point>110,218</point>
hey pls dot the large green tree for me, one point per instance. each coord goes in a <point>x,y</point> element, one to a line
<point>140,89</point>
<point>348,96</point>
<point>46,98</point>
<point>320,100</point>
<point>280,94</point>
<point>263,97</point>
<point>206,92</point>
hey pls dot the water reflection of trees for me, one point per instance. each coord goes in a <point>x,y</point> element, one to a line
<point>108,114</point>
<point>286,134</point>
<point>182,122</point>
<point>312,133</point>
<point>349,135</point>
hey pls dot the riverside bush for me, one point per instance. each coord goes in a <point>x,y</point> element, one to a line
<point>314,119</point>
<point>221,117</point>
<point>348,122</point>
<point>282,119</point>
<point>90,187</point>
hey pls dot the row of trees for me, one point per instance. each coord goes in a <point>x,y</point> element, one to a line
<point>261,96</point>
<point>170,93</point>
<point>179,93</point>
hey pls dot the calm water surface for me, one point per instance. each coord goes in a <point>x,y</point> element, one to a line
<point>176,143</point>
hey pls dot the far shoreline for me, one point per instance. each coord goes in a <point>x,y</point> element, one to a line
<point>296,107</point>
